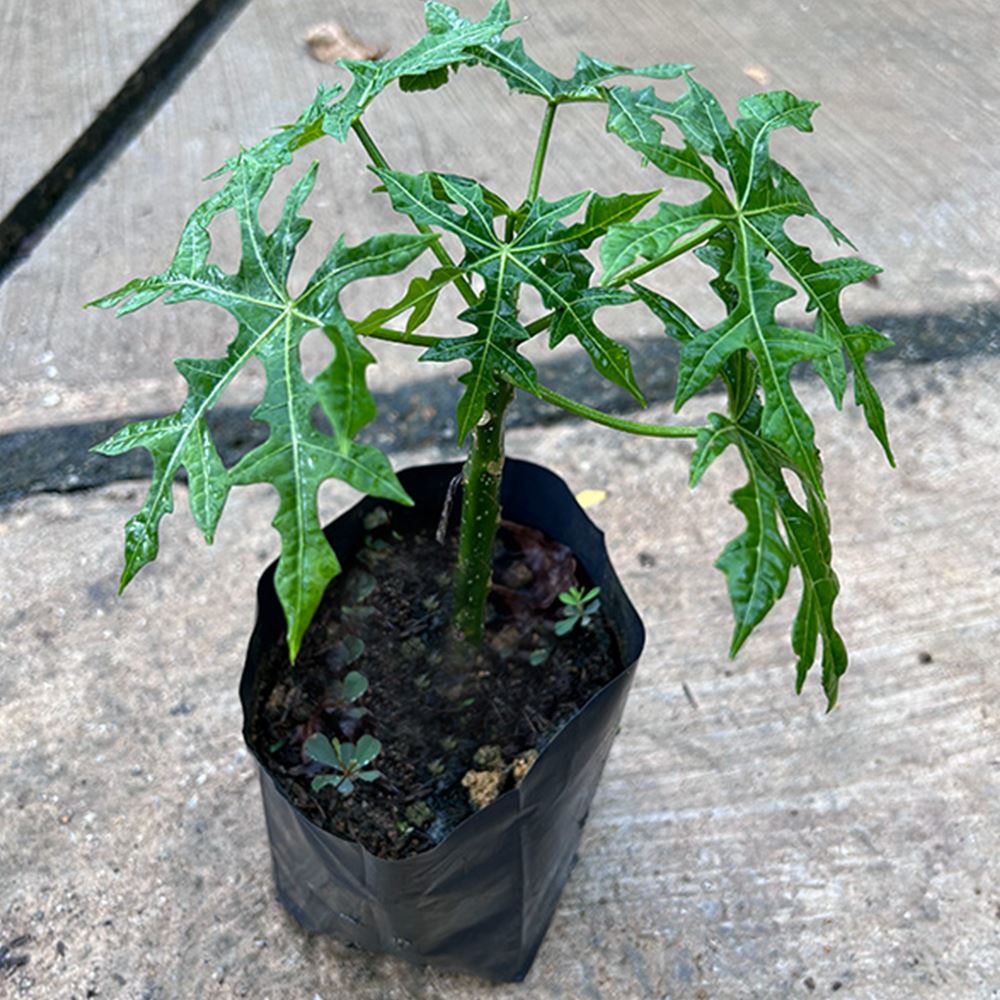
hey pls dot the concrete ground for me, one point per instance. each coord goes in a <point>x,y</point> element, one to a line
<point>742,843</point>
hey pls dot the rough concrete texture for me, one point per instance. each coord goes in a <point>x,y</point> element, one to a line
<point>742,843</point>
<point>902,159</point>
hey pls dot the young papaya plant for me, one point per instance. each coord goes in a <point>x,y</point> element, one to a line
<point>737,229</point>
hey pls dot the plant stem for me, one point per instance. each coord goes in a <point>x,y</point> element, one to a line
<point>483,473</point>
<point>540,151</point>
<point>400,337</point>
<point>550,395</point>
<point>480,515</point>
<point>599,417</point>
<point>445,258</point>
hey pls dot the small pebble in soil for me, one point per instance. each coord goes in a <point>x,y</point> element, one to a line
<point>522,765</point>
<point>483,786</point>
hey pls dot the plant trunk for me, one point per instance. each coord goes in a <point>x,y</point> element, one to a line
<point>481,477</point>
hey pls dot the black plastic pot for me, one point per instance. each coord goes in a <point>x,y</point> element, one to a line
<point>481,900</point>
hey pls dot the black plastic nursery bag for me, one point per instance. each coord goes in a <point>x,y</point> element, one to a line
<point>481,900</point>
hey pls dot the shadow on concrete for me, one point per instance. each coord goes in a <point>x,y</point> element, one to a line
<point>57,459</point>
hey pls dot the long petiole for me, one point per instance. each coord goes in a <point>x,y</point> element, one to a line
<point>445,258</point>
<point>540,151</point>
<point>599,417</point>
<point>391,336</point>
<point>549,395</point>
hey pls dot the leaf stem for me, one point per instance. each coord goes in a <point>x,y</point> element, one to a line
<point>400,337</point>
<point>541,150</point>
<point>548,395</point>
<point>682,247</point>
<point>445,258</point>
<point>617,423</point>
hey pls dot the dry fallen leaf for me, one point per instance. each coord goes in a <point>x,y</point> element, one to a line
<point>758,74</point>
<point>330,41</point>
<point>591,498</point>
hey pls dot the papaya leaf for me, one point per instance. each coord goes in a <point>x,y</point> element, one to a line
<point>780,533</point>
<point>419,301</point>
<point>603,213</point>
<point>296,457</point>
<point>808,540</point>
<point>525,76</point>
<point>425,65</point>
<point>756,562</point>
<point>491,351</point>
<point>747,229</point>
<point>823,282</point>
<point>776,349</point>
<point>544,253</point>
<point>654,237</point>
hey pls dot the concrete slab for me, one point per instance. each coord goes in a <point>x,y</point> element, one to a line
<point>742,844</point>
<point>904,158</point>
<point>62,63</point>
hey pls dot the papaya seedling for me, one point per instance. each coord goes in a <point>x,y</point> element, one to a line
<point>736,228</point>
<point>348,761</point>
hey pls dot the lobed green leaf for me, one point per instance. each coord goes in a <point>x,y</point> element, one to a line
<point>449,42</point>
<point>544,253</point>
<point>296,457</point>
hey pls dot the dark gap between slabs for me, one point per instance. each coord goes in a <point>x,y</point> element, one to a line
<point>138,100</point>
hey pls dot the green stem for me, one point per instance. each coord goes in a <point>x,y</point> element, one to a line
<point>483,472</point>
<point>549,395</point>
<point>400,337</point>
<point>445,258</point>
<point>374,153</point>
<point>480,515</point>
<point>599,417</point>
<point>638,270</point>
<point>540,151</point>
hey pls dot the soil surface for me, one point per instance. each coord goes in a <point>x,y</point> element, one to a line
<point>457,726</point>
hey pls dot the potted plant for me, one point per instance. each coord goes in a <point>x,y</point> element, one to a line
<point>411,807</point>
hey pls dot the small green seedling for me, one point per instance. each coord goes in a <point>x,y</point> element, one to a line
<point>579,608</point>
<point>348,761</point>
<point>348,691</point>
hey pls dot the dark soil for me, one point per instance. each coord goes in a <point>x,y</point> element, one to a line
<point>442,712</point>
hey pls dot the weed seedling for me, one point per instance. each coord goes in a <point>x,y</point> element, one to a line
<point>348,761</point>
<point>578,608</point>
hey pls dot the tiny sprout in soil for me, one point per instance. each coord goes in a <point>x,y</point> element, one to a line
<point>579,609</point>
<point>347,760</point>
